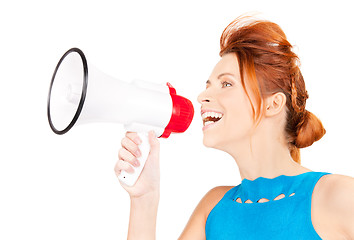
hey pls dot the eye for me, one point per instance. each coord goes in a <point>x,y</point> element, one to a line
<point>226,84</point>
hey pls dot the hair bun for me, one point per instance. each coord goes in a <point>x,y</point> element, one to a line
<point>310,131</point>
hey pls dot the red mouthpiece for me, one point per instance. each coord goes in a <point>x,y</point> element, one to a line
<point>182,114</point>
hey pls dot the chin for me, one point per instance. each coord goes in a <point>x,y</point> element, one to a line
<point>210,142</point>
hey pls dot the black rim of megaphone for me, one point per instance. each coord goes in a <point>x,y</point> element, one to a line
<point>83,93</point>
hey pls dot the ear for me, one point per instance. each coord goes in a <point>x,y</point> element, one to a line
<point>274,104</point>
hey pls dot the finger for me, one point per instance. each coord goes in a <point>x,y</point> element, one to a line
<point>127,156</point>
<point>134,137</point>
<point>131,146</point>
<point>122,165</point>
<point>154,144</point>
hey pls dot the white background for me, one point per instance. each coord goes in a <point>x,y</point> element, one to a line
<point>64,187</point>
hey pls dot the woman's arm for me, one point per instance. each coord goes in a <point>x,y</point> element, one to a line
<point>143,213</point>
<point>145,194</point>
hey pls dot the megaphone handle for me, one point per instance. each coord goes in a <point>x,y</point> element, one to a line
<point>130,178</point>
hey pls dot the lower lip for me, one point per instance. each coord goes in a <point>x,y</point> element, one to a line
<point>210,125</point>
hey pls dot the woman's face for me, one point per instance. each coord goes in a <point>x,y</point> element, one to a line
<point>225,97</point>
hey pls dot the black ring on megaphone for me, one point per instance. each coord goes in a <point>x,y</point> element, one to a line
<point>83,93</point>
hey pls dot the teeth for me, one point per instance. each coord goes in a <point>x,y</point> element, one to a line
<point>211,114</point>
<point>208,122</point>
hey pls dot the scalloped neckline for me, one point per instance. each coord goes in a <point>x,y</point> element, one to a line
<point>267,179</point>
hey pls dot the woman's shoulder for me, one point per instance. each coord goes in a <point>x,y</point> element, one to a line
<point>195,228</point>
<point>218,192</point>
<point>332,205</point>
<point>213,196</point>
<point>329,183</point>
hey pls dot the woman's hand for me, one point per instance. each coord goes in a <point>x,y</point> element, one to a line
<point>148,182</point>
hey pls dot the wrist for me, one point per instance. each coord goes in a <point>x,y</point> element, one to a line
<point>147,197</point>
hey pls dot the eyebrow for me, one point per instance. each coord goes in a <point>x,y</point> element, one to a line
<point>221,75</point>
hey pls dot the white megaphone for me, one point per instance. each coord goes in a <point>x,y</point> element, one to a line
<point>79,93</point>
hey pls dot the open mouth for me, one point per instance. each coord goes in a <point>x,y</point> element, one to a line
<point>211,117</point>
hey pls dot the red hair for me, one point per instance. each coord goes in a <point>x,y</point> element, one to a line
<point>266,58</point>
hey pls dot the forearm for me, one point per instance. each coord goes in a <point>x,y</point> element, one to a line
<point>143,214</point>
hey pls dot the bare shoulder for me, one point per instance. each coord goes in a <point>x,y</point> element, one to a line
<point>214,195</point>
<point>195,228</point>
<point>332,211</point>
<point>210,199</point>
<point>334,186</point>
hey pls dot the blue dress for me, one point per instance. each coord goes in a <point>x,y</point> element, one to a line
<point>286,218</point>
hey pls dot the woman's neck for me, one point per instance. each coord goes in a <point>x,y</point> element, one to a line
<point>264,158</point>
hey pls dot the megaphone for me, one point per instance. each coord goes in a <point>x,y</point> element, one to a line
<point>79,93</point>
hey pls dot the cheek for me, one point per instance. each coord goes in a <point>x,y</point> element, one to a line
<point>239,117</point>
<point>237,107</point>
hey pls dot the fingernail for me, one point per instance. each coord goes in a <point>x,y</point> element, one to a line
<point>138,140</point>
<point>136,163</point>
<point>138,153</point>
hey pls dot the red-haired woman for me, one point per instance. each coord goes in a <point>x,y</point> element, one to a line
<point>253,108</point>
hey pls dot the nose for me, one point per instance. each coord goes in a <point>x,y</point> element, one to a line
<point>203,97</point>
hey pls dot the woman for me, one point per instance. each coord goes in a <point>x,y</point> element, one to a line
<point>253,108</point>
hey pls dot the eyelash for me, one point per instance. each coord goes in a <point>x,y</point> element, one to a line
<point>224,82</point>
